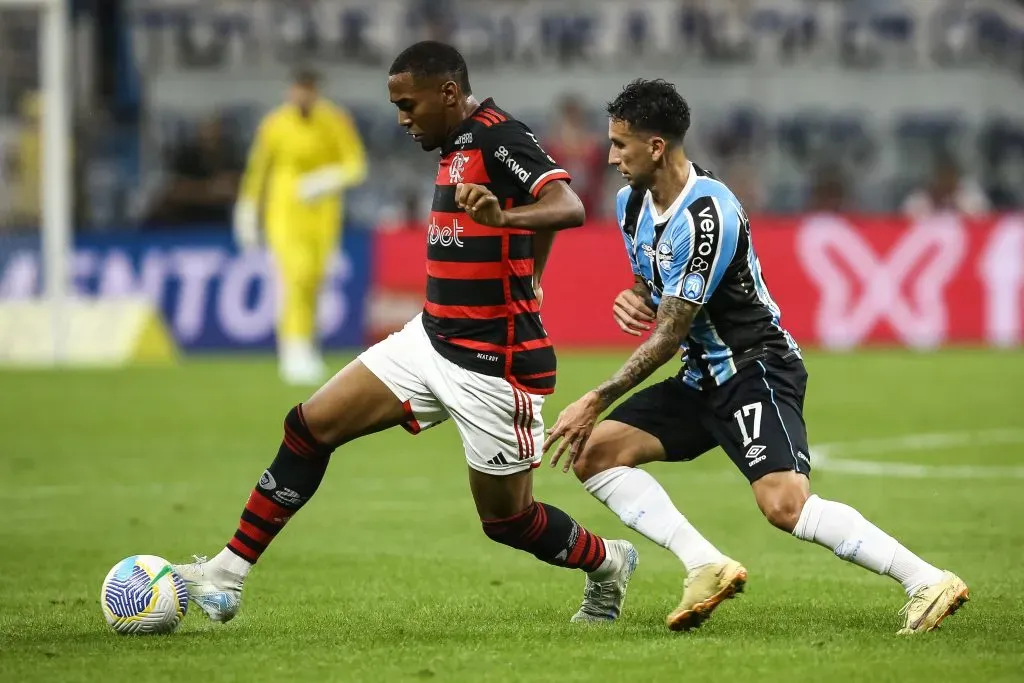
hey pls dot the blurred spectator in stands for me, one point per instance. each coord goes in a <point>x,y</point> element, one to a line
<point>828,191</point>
<point>734,142</point>
<point>407,212</point>
<point>21,167</point>
<point>27,162</point>
<point>1006,190</point>
<point>436,18</point>
<point>948,191</point>
<point>8,170</point>
<point>204,179</point>
<point>581,151</point>
<point>742,176</point>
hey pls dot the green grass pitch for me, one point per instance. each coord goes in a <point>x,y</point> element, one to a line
<point>386,576</point>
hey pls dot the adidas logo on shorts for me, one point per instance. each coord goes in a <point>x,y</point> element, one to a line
<point>499,459</point>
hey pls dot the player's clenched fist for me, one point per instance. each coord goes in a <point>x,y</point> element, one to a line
<point>480,203</point>
<point>632,313</point>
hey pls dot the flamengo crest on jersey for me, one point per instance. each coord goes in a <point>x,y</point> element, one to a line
<point>700,250</point>
<point>481,312</point>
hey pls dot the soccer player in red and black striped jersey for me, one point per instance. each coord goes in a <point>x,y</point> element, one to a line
<point>477,353</point>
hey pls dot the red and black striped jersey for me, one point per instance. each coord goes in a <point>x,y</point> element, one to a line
<point>481,312</point>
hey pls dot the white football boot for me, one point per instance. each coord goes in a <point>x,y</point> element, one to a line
<point>216,591</point>
<point>606,586</point>
<point>300,363</point>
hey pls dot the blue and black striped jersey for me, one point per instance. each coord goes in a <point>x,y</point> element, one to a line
<point>700,250</point>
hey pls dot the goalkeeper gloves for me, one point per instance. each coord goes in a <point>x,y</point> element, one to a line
<point>322,182</point>
<point>246,225</point>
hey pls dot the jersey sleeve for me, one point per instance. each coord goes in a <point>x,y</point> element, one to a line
<point>702,245</point>
<point>621,199</point>
<point>514,153</point>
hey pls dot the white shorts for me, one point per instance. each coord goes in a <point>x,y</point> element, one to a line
<point>501,426</point>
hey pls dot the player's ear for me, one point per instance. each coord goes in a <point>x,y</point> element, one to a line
<point>657,148</point>
<point>449,93</point>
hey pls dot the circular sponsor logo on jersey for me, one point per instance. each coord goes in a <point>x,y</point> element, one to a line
<point>693,286</point>
<point>665,256</point>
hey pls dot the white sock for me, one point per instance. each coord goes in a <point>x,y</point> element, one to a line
<point>851,537</point>
<point>231,563</point>
<point>642,505</point>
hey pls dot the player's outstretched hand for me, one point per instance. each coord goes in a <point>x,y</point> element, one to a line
<point>480,203</point>
<point>245,226</point>
<point>632,313</point>
<point>573,427</point>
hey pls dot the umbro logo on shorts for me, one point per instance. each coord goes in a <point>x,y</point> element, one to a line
<point>755,454</point>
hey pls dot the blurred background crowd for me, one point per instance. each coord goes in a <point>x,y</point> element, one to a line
<point>862,106</point>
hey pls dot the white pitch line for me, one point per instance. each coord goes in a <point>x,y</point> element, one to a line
<point>834,457</point>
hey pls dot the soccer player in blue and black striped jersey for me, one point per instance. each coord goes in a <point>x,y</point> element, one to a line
<point>698,283</point>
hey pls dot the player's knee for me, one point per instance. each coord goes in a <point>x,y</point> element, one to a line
<point>603,455</point>
<point>492,530</point>
<point>496,533</point>
<point>326,422</point>
<point>299,435</point>
<point>782,507</point>
<point>319,424</point>
<point>781,497</point>
<point>511,531</point>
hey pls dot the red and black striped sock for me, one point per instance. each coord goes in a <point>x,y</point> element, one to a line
<point>285,486</point>
<point>551,535</point>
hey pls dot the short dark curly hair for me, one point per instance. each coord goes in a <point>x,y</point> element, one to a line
<point>432,58</point>
<point>652,107</point>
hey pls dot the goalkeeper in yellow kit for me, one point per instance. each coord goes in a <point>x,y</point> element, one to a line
<point>305,153</point>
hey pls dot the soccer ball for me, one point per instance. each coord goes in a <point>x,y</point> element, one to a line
<point>143,594</point>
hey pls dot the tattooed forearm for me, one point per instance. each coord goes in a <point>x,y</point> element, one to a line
<point>674,319</point>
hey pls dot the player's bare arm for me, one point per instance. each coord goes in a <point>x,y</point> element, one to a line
<point>576,422</point>
<point>633,309</point>
<point>557,208</point>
